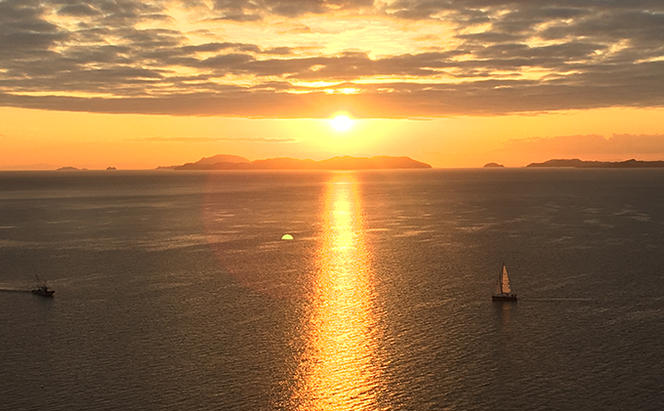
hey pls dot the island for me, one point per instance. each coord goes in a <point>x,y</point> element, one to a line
<point>493,165</point>
<point>576,163</point>
<point>230,162</point>
<point>67,168</point>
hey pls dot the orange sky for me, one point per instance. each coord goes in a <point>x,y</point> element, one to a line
<point>139,84</point>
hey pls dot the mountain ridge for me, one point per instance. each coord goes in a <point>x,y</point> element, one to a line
<point>577,163</point>
<point>230,162</point>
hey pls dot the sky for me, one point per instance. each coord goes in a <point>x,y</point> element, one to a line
<point>138,84</point>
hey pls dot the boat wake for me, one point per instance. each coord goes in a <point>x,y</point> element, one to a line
<point>14,290</point>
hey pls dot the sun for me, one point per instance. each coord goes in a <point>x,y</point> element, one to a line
<point>341,123</point>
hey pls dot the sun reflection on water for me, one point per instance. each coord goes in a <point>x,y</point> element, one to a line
<point>339,367</point>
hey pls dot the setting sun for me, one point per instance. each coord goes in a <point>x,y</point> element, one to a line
<point>341,123</point>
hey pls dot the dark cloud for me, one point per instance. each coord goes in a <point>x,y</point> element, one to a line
<point>23,30</point>
<point>226,61</point>
<point>79,9</point>
<point>594,20</point>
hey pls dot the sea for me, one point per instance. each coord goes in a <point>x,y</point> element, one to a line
<point>175,291</point>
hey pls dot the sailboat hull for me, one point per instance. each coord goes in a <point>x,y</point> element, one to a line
<point>504,297</point>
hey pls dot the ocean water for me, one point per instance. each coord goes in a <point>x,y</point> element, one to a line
<point>174,290</point>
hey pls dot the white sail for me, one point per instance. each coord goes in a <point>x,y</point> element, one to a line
<point>505,286</point>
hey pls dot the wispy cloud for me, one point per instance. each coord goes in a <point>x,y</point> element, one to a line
<point>214,139</point>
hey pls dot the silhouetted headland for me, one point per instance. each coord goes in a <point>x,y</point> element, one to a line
<point>576,163</point>
<point>493,165</point>
<point>69,168</point>
<point>229,162</point>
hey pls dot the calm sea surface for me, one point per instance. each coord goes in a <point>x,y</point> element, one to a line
<point>175,291</point>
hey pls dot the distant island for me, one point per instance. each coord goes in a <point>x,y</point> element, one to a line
<point>576,163</point>
<point>493,165</point>
<point>230,162</point>
<point>69,168</point>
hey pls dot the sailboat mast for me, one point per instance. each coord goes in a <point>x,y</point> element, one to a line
<point>500,278</point>
<point>499,288</point>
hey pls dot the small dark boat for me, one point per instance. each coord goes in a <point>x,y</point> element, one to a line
<point>504,287</point>
<point>43,291</point>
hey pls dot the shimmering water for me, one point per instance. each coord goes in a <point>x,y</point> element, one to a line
<point>174,290</point>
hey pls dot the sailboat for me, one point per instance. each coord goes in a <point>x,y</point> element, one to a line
<point>504,287</point>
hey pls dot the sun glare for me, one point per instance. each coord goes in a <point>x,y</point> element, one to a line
<point>341,123</point>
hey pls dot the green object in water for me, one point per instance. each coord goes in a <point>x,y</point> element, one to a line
<point>286,237</point>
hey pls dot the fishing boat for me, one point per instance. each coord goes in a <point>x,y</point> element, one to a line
<point>43,291</point>
<point>42,288</point>
<point>504,287</point>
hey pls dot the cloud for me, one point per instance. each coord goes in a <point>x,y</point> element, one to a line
<point>395,100</point>
<point>23,30</point>
<point>78,10</point>
<point>501,57</point>
<point>214,139</point>
<point>251,10</point>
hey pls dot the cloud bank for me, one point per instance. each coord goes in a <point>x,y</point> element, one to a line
<point>444,57</point>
